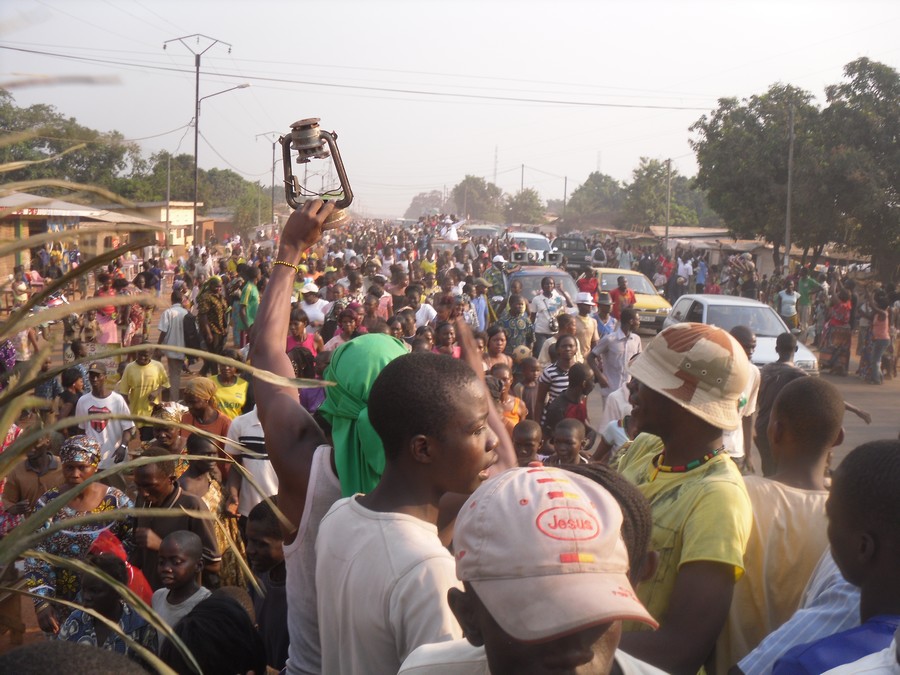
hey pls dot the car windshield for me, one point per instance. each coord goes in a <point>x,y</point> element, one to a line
<point>570,245</point>
<point>531,284</point>
<point>636,282</point>
<point>533,243</point>
<point>763,321</point>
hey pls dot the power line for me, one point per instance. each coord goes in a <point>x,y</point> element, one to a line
<point>392,90</point>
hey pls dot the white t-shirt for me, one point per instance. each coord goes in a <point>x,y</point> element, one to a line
<point>171,322</point>
<point>324,489</point>
<point>424,315</point>
<point>734,440</point>
<point>544,309</point>
<point>381,583</point>
<point>247,430</point>
<point>615,435</point>
<point>172,614</point>
<point>459,657</point>
<point>108,433</point>
<point>787,541</point>
<point>315,312</point>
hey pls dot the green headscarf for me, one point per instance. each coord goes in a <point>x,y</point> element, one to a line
<point>358,451</point>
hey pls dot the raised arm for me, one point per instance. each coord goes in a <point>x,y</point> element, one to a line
<point>292,435</point>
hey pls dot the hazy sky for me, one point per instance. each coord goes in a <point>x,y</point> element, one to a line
<point>415,89</point>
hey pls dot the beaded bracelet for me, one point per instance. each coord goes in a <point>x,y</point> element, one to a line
<point>287,264</point>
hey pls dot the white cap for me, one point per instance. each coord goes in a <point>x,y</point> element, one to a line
<point>543,549</point>
<point>584,299</point>
<point>499,258</point>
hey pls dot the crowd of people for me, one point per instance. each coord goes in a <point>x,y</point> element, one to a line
<point>434,496</point>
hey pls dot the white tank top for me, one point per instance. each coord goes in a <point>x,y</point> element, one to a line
<point>304,652</point>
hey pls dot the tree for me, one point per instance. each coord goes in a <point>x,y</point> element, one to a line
<point>646,196</point>
<point>426,204</point>
<point>524,207</point>
<point>862,126</point>
<point>597,201</point>
<point>60,148</point>
<point>477,199</point>
<point>742,152</point>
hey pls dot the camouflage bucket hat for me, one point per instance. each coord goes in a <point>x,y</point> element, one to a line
<point>702,368</point>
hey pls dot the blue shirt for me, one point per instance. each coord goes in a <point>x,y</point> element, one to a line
<point>608,327</point>
<point>836,650</point>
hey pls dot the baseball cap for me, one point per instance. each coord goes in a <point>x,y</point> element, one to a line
<point>543,549</point>
<point>584,299</point>
<point>702,368</point>
<point>603,298</point>
<point>499,258</point>
<point>98,367</point>
<point>309,288</point>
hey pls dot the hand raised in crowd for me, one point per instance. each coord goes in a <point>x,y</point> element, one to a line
<point>303,229</point>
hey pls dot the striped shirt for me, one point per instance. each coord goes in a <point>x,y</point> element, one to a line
<point>830,604</point>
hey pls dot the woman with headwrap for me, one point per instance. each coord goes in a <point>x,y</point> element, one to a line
<point>203,413</point>
<point>80,457</point>
<point>168,437</point>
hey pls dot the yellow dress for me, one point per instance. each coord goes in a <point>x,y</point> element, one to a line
<point>231,572</point>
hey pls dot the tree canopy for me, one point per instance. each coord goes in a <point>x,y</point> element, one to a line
<point>50,145</point>
<point>846,164</point>
<point>478,199</point>
<point>525,207</point>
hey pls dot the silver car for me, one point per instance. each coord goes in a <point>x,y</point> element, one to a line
<point>728,311</point>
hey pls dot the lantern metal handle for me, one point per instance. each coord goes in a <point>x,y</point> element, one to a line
<point>309,141</point>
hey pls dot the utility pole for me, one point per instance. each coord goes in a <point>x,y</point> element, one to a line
<point>565,194</point>
<point>274,143</point>
<point>197,54</point>
<point>496,150</point>
<point>168,196</point>
<point>668,198</point>
<point>786,265</point>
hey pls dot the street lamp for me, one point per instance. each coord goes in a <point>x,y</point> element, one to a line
<point>197,146</point>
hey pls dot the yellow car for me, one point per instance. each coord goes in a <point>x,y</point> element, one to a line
<point>651,306</point>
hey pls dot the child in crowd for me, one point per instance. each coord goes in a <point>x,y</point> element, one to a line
<point>512,409</point>
<point>527,386</point>
<point>864,534</point>
<point>572,403</point>
<point>568,442</point>
<point>90,327</point>
<point>789,526</point>
<point>265,552</point>
<point>179,562</point>
<point>527,440</point>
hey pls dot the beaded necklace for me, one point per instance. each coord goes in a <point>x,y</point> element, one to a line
<point>684,468</point>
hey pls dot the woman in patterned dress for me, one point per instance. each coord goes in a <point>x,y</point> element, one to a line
<point>80,457</point>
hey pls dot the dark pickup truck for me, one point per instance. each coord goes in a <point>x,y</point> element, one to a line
<point>577,253</point>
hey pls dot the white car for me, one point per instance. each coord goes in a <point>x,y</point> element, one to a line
<point>728,311</point>
<point>533,242</point>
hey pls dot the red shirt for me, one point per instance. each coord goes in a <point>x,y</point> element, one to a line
<point>621,300</point>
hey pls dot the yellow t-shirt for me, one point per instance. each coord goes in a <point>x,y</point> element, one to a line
<point>231,399</point>
<point>138,381</point>
<point>699,515</point>
<point>788,538</point>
